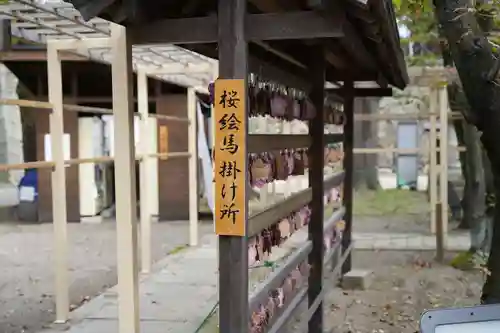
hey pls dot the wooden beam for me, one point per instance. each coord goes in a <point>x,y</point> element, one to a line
<point>90,9</point>
<point>292,25</point>
<point>268,26</point>
<point>361,11</point>
<point>385,17</point>
<point>354,74</point>
<point>293,203</point>
<point>36,55</point>
<point>362,92</point>
<point>194,30</point>
<point>91,99</point>
<point>317,69</point>
<point>352,43</point>
<point>348,162</point>
<point>265,69</point>
<point>259,143</point>
<point>5,35</point>
<point>275,280</point>
<point>233,251</point>
<point>268,71</point>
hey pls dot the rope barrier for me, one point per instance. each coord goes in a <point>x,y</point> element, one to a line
<point>80,108</point>
<point>78,161</point>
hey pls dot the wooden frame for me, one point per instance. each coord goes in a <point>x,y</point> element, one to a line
<point>438,114</point>
<point>234,300</point>
<point>326,29</point>
<point>125,155</point>
<point>267,26</point>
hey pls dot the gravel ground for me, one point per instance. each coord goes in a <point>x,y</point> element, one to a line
<point>405,284</point>
<point>26,280</point>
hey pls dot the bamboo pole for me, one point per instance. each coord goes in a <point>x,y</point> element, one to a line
<point>77,161</point>
<point>102,159</point>
<point>169,118</point>
<point>81,108</point>
<point>27,103</point>
<point>171,155</point>
<point>27,165</point>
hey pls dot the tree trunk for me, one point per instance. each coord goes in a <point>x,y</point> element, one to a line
<point>473,203</point>
<point>477,67</point>
<point>365,135</point>
<point>456,98</point>
<point>475,189</point>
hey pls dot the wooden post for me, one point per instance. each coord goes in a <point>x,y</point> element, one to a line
<point>233,250</point>
<point>125,187</point>
<point>433,158</point>
<point>144,171</point>
<point>316,167</point>
<point>58,183</point>
<point>443,146</point>
<point>439,234</point>
<point>348,164</point>
<point>193,166</point>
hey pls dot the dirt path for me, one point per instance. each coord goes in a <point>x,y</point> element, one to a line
<point>26,277</point>
<point>405,285</point>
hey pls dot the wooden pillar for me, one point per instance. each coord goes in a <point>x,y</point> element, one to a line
<point>443,160</point>
<point>316,171</point>
<point>193,166</point>
<point>44,183</point>
<point>5,35</point>
<point>144,176</point>
<point>348,146</point>
<point>125,186</point>
<point>433,162</point>
<point>233,251</point>
<point>58,184</point>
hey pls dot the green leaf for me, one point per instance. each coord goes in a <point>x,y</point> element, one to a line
<point>427,6</point>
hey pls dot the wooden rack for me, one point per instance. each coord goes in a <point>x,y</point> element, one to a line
<point>58,165</point>
<point>245,40</point>
<point>233,240</point>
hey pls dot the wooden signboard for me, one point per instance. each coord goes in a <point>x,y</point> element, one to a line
<point>163,141</point>
<point>230,157</point>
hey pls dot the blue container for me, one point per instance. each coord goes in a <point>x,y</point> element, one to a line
<point>27,210</point>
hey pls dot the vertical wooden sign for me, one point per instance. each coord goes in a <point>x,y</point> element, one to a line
<point>163,138</point>
<point>230,157</point>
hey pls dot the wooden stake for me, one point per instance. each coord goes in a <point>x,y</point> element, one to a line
<point>439,234</point>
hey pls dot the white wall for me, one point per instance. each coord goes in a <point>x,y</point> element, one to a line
<point>87,134</point>
<point>11,138</point>
<point>11,135</point>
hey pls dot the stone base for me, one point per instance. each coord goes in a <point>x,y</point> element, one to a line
<point>357,279</point>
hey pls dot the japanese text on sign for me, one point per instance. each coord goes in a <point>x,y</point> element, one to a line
<point>230,157</point>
